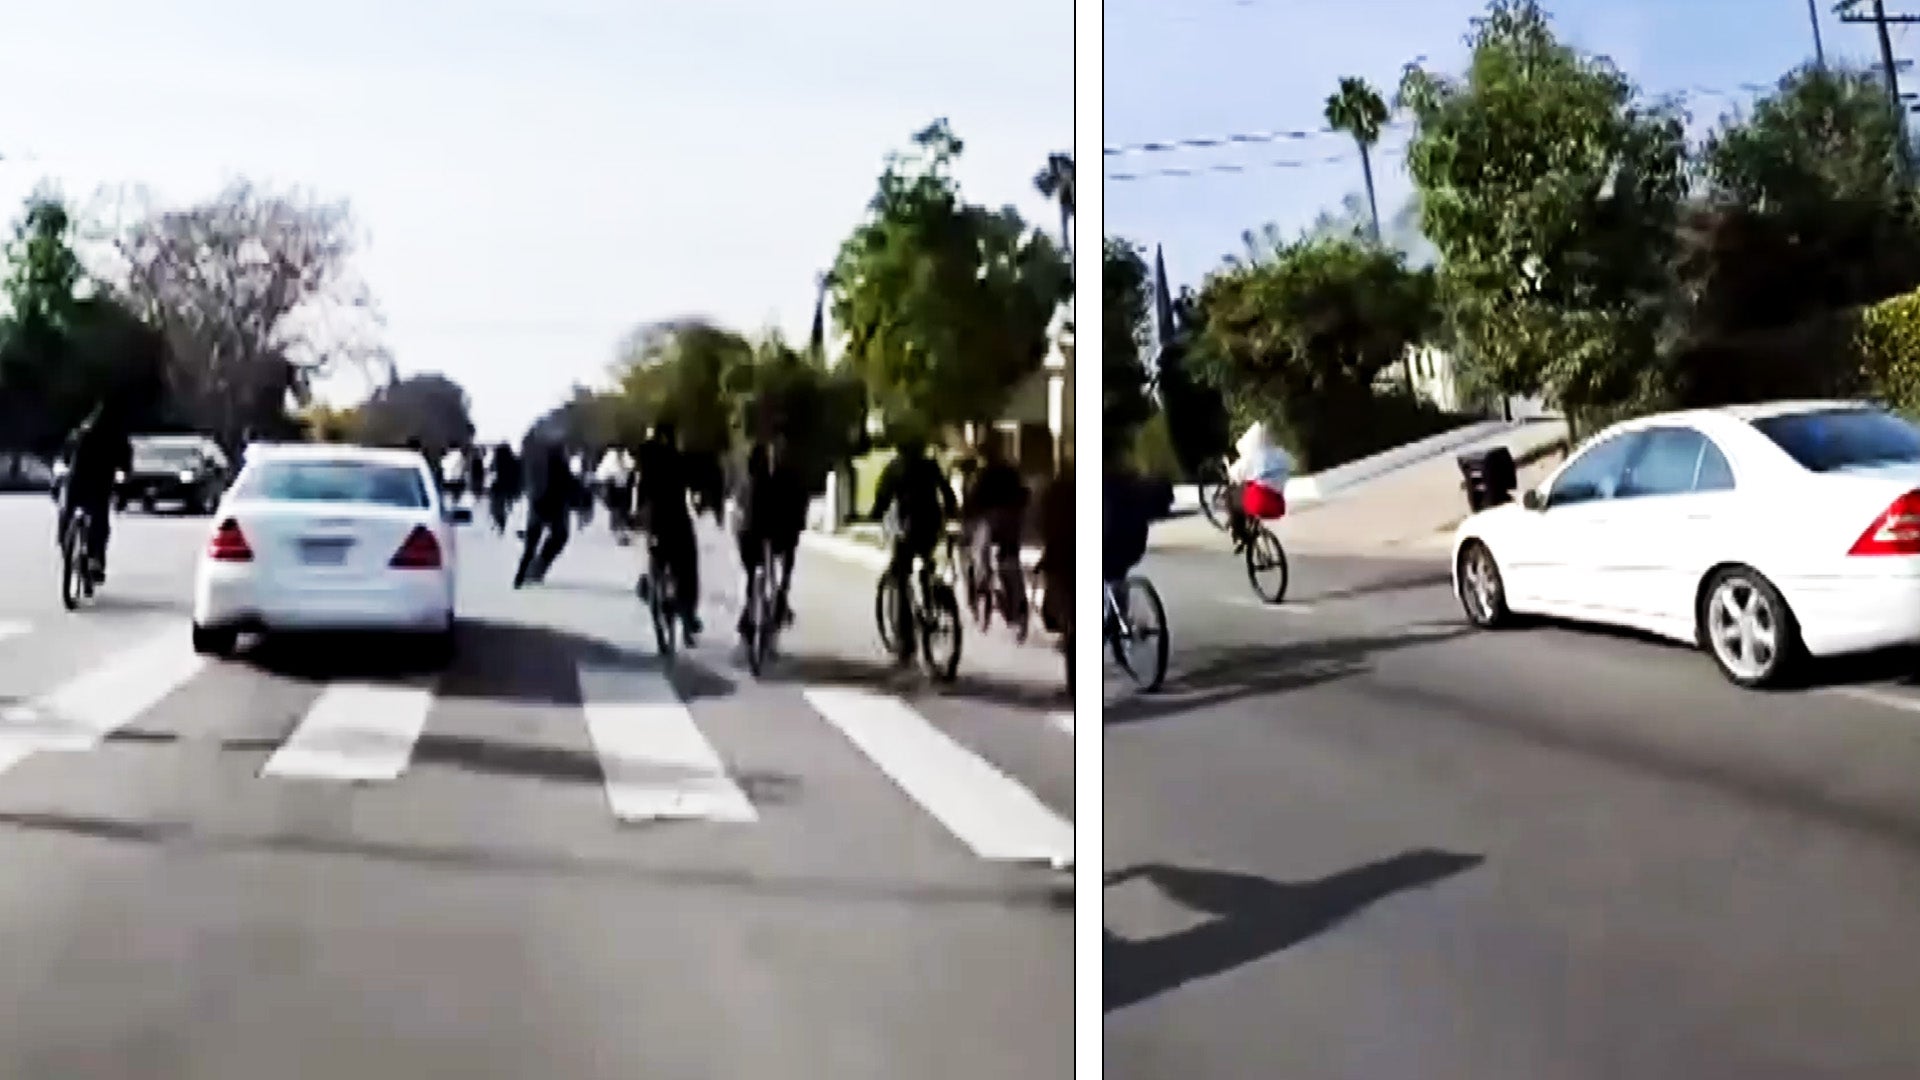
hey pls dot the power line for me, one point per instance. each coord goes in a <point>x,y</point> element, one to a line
<point>1249,166</point>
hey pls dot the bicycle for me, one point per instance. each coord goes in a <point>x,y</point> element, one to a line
<point>1000,584</point>
<point>763,616</point>
<point>1259,547</point>
<point>931,605</point>
<point>1215,493</point>
<point>1124,628</point>
<point>77,577</point>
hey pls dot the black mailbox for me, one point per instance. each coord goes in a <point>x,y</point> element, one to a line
<point>1490,477</point>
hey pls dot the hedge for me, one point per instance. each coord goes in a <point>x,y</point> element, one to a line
<point>1888,347</point>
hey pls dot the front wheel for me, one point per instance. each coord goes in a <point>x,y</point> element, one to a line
<point>940,632</point>
<point>660,606</point>
<point>886,614</point>
<point>1266,564</point>
<point>1746,624</point>
<point>1142,650</point>
<point>1483,592</point>
<point>74,582</point>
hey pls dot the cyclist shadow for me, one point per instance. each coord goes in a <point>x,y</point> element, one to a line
<point>882,673</point>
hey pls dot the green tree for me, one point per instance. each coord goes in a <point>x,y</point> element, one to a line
<point>1126,333</point>
<point>945,305</point>
<point>1552,193</point>
<point>1357,109</point>
<point>1055,181</point>
<point>1299,338</point>
<point>429,407</point>
<point>689,371</point>
<point>820,410</point>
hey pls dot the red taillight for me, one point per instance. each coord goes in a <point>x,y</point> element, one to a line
<point>229,544</point>
<point>1895,532</point>
<point>420,552</point>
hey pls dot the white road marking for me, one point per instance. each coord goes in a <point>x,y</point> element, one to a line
<point>656,762</point>
<point>1285,607</point>
<point>988,811</point>
<point>1062,721</point>
<point>1888,698</point>
<point>14,628</point>
<point>355,731</point>
<point>80,714</point>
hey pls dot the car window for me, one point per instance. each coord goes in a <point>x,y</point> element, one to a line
<point>1831,439</point>
<point>1713,474</point>
<point>1665,464</point>
<point>336,482</point>
<point>1596,473</point>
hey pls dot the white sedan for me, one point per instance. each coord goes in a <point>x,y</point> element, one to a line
<point>321,537</point>
<point>1763,533</point>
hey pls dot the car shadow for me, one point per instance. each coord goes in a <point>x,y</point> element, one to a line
<point>1232,673</point>
<point>1252,918</point>
<point>1899,665</point>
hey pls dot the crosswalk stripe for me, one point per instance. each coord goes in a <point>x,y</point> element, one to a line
<point>81,713</point>
<point>13,628</point>
<point>355,731</point>
<point>1061,720</point>
<point>656,763</point>
<point>988,811</point>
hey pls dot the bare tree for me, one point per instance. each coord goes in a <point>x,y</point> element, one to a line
<point>250,289</point>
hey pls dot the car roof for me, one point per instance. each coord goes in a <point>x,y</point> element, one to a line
<point>1718,415</point>
<point>342,452</point>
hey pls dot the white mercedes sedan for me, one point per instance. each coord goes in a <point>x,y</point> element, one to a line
<point>1762,533</point>
<point>326,537</point>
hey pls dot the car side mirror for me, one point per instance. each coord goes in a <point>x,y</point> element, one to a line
<point>1533,500</point>
<point>460,515</point>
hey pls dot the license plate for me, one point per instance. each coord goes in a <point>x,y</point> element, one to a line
<point>324,552</point>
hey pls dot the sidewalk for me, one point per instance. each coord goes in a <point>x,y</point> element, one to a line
<point>866,545</point>
<point>1409,512</point>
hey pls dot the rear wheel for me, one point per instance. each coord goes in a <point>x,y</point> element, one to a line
<point>660,604</point>
<point>1142,652</point>
<point>940,632</point>
<point>74,582</point>
<point>1213,490</point>
<point>213,641</point>
<point>1746,626</point>
<point>886,614</point>
<point>759,620</point>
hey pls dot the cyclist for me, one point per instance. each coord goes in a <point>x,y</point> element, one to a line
<point>660,501</point>
<point>102,450</point>
<point>1056,552</point>
<point>611,480</point>
<point>993,517</point>
<point>1261,472</point>
<point>914,484</point>
<point>1125,519</point>
<point>772,511</point>
<point>503,487</point>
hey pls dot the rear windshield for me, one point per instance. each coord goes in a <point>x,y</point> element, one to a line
<point>336,482</point>
<point>1844,438</point>
<point>166,455</point>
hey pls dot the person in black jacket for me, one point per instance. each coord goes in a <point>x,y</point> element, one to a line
<point>913,483</point>
<point>102,450</point>
<point>553,494</point>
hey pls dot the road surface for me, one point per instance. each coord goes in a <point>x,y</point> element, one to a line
<point>555,859</point>
<point>1355,839</point>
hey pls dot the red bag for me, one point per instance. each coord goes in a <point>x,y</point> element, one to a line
<point>1263,503</point>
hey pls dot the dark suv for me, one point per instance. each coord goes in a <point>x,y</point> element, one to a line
<point>188,469</point>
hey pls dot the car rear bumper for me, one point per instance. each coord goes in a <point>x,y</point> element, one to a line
<point>1840,615</point>
<point>226,597</point>
<point>161,488</point>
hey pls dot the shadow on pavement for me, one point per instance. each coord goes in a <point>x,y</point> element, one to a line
<point>1233,673</point>
<point>1401,582</point>
<point>1254,917</point>
<point>181,836</point>
<point>881,673</point>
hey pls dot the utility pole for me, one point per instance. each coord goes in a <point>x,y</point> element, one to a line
<point>1881,20</point>
<point>1813,17</point>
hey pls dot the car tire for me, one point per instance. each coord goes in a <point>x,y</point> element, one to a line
<point>438,651</point>
<point>213,641</point>
<point>1748,590</point>
<point>1486,609</point>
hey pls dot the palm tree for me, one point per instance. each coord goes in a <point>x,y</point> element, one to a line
<point>1055,181</point>
<point>1359,111</point>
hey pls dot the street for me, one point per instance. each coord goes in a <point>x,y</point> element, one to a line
<point>1355,839</point>
<point>559,857</point>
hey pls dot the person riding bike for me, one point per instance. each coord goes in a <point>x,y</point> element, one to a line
<point>913,483</point>
<point>503,487</point>
<point>993,517</point>
<point>660,504</point>
<point>1055,569</point>
<point>1125,518</point>
<point>102,450</point>
<point>773,504</point>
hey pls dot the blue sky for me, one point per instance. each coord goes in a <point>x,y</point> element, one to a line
<point>537,176</point>
<point>1205,68</point>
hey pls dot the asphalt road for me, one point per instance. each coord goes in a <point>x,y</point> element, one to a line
<point>558,858</point>
<point>1355,839</point>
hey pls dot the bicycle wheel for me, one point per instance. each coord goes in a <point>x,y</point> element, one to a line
<point>1142,652</point>
<point>73,561</point>
<point>939,624</point>
<point>660,605</point>
<point>1214,491</point>
<point>758,632</point>
<point>1266,564</point>
<point>885,615</point>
